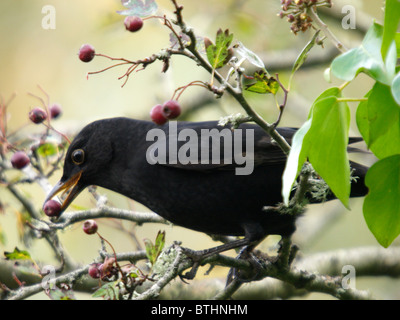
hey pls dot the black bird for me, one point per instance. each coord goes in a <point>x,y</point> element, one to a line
<point>117,154</point>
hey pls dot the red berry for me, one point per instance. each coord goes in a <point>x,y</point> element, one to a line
<point>55,111</point>
<point>37,115</point>
<point>157,115</point>
<point>52,208</point>
<point>86,53</point>
<point>133,23</point>
<point>95,270</point>
<point>171,109</point>
<point>90,226</point>
<point>20,160</point>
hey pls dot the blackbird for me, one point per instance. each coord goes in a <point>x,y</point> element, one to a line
<point>176,171</point>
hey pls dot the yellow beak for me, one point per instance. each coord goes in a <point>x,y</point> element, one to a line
<point>70,186</point>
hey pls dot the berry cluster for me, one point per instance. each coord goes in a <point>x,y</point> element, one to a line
<point>37,115</point>
<point>296,12</point>
<point>107,269</point>
<point>87,52</point>
<point>104,271</point>
<point>160,114</point>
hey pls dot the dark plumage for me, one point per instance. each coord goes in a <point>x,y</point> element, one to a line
<point>209,198</point>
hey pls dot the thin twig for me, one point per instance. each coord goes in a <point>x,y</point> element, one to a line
<point>339,45</point>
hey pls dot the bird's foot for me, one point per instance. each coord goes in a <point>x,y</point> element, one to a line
<point>197,257</point>
<point>257,261</point>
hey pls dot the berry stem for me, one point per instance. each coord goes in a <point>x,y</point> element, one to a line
<point>326,30</point>
<point>183,88</point>
<point>115,254</point>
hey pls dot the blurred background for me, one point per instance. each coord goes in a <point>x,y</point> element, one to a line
<point>31,56</point>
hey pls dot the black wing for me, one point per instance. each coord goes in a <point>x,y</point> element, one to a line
<point>208,146</point>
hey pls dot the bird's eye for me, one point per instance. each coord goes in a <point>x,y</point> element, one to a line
<point>78,156</point>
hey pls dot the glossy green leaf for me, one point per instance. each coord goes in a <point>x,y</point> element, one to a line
<point>304,53</point>
<point>391,22</point>
<point>160,242</point>
<point>324,142</point>
<point>263,84</point>
<point>382,206</point>
<point>218,54</point>
<point>47,149</point>
<point>397,41</point>
<point>378,120</point>
<point>294,162</point>
<point>366,58</point>
<point>108,291</point>
<point>17,255</point>
<point>61,294</point>
<point>154,250</point>
<point>396,89</point>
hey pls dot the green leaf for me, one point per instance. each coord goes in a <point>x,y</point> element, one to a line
<point>154,250</point>
<point>391,22</point>
<point>47,149</point>
<point>304,53</point>
<point>396,88</point>
<point>17,255</point>
<point>294,162</point>
<point>366,58</point>
<point>160,242</point>
<point>324,142</point>
<point>107,291</point>
<point>382,206</point>
<point>149,247</point>
<point>263,84</point>
<point>61,294</point>
<point>397,41</point>
<point>218,54</point>
<point>378,120</point>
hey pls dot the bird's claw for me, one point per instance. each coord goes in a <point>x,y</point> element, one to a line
<point>197,257</point>
<point>257,263</point>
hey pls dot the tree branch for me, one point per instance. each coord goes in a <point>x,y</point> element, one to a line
<point>68,218</point>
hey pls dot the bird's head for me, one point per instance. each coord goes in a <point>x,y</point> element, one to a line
<point>86,161</point>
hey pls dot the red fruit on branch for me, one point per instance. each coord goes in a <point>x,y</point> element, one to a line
<point>52,208</point>
<point>20,160</point>
<point>171,109</point>
<point>133,23</point>
<point>37,115</point>
<point>86,53</point>
<point>157,115</point>
<point>90,227</point>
